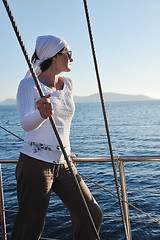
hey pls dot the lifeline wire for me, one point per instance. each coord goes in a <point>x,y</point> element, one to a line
<point>11,133</point>
<point>155,220</point>
<point>50,118</point>
<point>104,113</point>
<point>107,190</point>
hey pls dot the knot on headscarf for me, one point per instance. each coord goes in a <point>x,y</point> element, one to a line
<point>46,47</point>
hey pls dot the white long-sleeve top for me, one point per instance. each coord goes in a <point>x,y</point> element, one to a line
<point>40,140</point>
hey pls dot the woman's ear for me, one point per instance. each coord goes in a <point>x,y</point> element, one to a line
<point>54,59</point>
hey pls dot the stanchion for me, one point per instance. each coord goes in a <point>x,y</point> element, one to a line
<point>125,200</point>
<point>2,212</point>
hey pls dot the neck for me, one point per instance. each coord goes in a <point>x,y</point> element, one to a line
<point>52,81</point>
<point>48,80</point>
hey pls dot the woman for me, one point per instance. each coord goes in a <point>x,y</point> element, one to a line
<point>41,167</point>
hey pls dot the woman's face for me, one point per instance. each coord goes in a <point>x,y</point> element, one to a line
<point>64,60</point>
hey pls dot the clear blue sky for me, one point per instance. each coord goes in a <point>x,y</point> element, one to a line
<point>126,36</point>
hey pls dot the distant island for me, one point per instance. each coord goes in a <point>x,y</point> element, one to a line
<point>112,97</point>
<point>108,97</point>
<point>8,101</point>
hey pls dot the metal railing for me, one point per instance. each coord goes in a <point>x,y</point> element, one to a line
<point>119,160</point>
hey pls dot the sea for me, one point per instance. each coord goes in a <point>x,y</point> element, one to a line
<point>134,129</point>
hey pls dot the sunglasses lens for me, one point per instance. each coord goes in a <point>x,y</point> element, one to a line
<point>69,54</point>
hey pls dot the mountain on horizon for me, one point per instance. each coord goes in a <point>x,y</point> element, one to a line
<point>108,97</point>
<point>8,101</point>
<point>112,97</point>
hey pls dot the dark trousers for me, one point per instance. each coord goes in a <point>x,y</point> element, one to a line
<point>35,181</point>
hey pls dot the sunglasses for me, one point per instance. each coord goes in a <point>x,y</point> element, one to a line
<point>69,53</point>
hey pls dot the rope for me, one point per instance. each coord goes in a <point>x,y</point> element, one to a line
<point>128,190</point>
<point>104,114</point>
<point>11,133</point>
<point>50,118</point>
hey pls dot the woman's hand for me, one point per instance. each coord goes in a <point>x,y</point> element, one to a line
<point>72,155</point>
<point>45,107</point>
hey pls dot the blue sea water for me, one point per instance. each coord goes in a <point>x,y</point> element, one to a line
<point>134,131</point>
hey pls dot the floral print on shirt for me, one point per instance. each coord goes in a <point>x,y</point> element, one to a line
<point>37,147</point>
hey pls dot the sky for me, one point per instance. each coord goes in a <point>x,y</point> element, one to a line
<point>126,37</point>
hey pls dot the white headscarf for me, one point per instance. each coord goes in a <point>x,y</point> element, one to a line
<point>46,47</point>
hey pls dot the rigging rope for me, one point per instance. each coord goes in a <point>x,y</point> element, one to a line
<point>50,118</point>
<point>104,114</point>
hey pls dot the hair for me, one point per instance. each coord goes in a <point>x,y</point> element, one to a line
<point>46,63</point>
<point>34,57</point>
